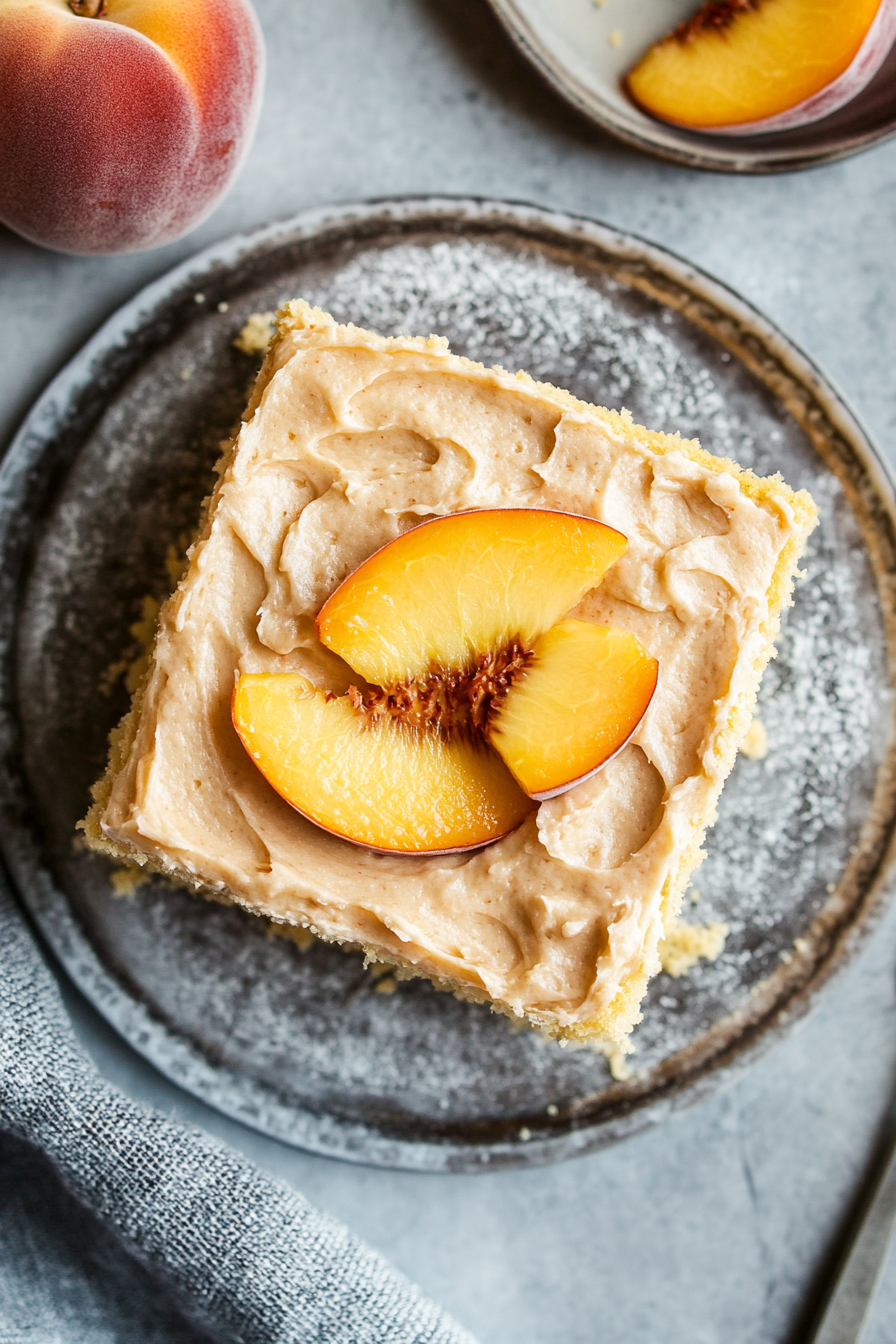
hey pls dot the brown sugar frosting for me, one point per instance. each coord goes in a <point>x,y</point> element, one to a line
<point>350,439</point>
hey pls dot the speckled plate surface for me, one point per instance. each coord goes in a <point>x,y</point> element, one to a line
<point>108,473</point>
<point>584,47</point>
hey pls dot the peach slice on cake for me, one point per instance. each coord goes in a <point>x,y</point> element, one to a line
<point>744,67</point>
<point>578,703</point>
<point>456,588</point>
<point>479,697</point>
<point>380,783</point>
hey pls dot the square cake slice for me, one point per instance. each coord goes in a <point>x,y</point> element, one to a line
<point>351,439</point>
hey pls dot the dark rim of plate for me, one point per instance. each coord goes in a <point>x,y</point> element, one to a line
<point>51,436</point>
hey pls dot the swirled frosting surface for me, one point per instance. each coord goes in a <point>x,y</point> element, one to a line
<point>350,440</point>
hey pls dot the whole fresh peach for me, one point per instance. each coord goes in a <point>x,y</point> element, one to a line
<point>123,122</point>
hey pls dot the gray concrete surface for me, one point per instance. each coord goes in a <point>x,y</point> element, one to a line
<point>718,1228</point>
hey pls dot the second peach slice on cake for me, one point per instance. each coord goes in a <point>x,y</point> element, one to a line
<point>478,698</point>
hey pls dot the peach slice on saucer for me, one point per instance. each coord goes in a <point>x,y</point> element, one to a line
<point>745,67</point>
<point>478,699</point>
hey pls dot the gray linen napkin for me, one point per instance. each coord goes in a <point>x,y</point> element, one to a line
<point>243,1254</point>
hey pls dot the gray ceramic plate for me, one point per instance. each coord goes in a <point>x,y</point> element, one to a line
<point>584,47</point>
<point>108,471</point>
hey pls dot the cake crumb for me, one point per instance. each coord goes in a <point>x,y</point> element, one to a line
<point>144,632</point>
<point>111,676</point>
<point>684,945</point>
<point>619,1066</point>
<point>127,878</point>
<point>755,744</point>
<point>296,933</point>
<point>800,946</point>
<point>256,335</point>
<point>387,985</point>
<point>176,560</point>
<point>552,1109</point>
<point>525,1134</point>
<point>144,628</point>
<point>615,38</point>
<point>135,662</point>
<point>223,306</point>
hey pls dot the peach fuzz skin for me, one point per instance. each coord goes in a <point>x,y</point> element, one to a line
<point>122,132</point>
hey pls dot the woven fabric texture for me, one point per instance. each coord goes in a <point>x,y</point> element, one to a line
<point>209,1238</point>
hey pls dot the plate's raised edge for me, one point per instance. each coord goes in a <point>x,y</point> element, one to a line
<point>259,1106</point>
<point>665,142</point>
<point>117,332</point>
